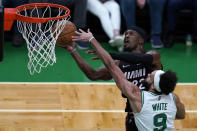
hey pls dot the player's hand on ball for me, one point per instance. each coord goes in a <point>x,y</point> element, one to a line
<point>82,35</point>
<point>69,47</point>
<point>65,37</point>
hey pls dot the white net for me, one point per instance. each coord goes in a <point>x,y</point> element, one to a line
<point>41,37</point>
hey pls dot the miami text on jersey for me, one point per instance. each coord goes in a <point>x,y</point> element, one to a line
<point>135,74</point>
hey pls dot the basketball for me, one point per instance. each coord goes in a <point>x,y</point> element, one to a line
<point>65,36</point>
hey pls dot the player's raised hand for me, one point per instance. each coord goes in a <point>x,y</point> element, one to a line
<point>82,35</point>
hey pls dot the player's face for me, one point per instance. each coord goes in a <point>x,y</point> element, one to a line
<point>150,77</point>
<point>149,81</point>
<point>131,40</point>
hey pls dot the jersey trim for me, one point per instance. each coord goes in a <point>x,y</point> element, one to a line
<point>152,93</point>
<point>142,96</point>
<point>174,97</point>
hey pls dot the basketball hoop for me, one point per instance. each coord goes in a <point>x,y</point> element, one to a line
<point>35,22</point>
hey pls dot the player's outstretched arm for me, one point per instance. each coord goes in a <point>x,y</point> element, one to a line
<point>180,108</point>
<point>93,74</point>
<point>127,88</point>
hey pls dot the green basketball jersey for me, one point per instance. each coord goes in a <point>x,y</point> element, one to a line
<point>157,114</point>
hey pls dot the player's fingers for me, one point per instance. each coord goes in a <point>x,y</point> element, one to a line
<point>78,33</point>
<point>95,58</point>
<point>88,51</point>
<point>75,38</point>
<point>81,30</point>
<point>91,52</point>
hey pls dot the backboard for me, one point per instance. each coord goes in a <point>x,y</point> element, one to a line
<point>1,30</point>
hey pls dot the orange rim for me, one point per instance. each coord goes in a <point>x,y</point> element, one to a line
<point>39,5</point>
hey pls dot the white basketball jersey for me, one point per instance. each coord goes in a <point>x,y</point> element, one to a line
<point>157,114</point>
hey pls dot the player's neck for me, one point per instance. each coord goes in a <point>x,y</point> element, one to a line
<point>138,50</point>
<point>154,91</point>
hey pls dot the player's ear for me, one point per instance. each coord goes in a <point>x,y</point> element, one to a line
<point>141,41</point>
